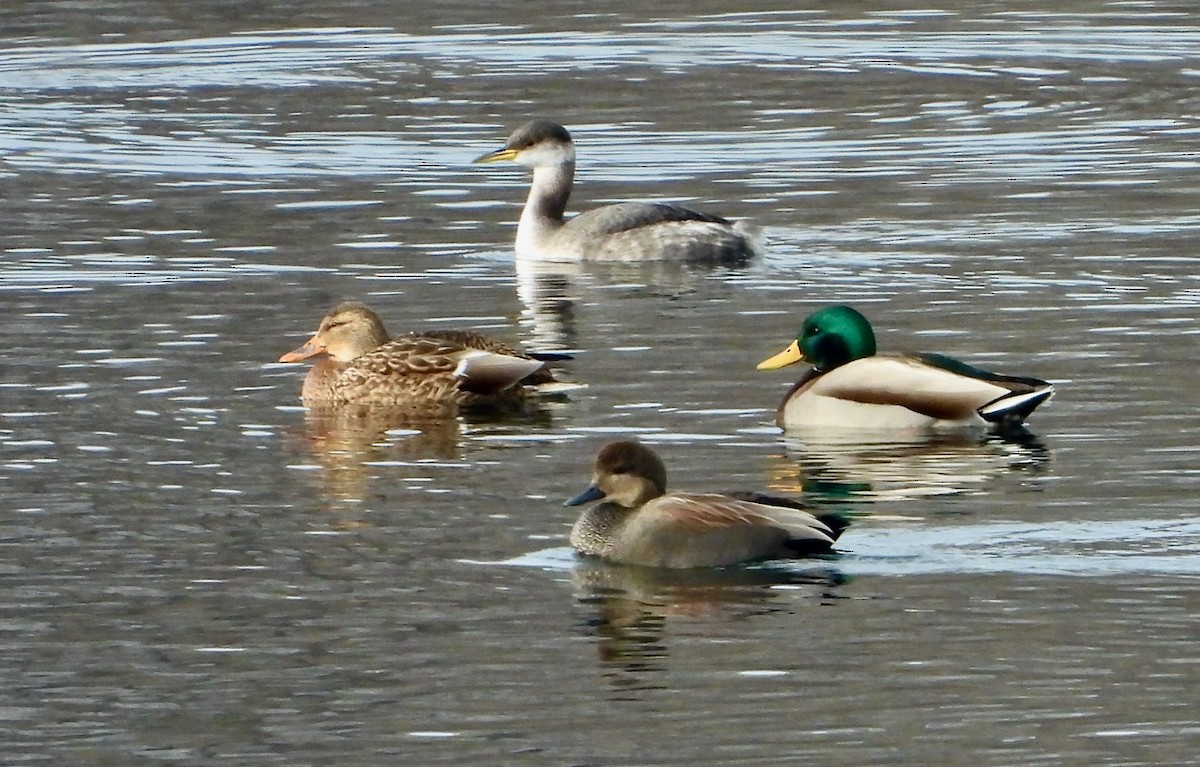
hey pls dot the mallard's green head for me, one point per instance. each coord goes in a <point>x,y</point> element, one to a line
<point>828,338</point>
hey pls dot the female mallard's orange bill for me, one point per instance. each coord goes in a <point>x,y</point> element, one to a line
<point>310,349</point>
<point>788,356</point>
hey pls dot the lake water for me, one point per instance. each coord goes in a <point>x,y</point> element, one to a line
<point>198,572</point>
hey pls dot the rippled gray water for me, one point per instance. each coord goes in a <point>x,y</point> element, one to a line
<point>199,572</point>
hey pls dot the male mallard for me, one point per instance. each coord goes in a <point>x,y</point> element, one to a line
<point>850,386</point>
<point>629,231</point>
<point>639,523</point>
<point>437,368</point>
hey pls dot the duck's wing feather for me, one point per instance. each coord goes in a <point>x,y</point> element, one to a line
<point>624,216</point>
<point>469,339</point>
<point>958,367</point>
<point>438,363</point>
<point>700,512</point>
<point>837,523</point>
<point>1013,408</point>
<point>410,355</point>
<point>481,372</point>
<point>702,530</point>
<point>1023,394</point>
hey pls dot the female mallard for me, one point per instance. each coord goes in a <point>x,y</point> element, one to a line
<point>438,368</point>
<point>630,231</point>
<point>850,386</point>
<point>639,523</point>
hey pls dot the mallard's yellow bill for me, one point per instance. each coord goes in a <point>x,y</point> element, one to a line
<point>788,356</point>
<point>498,156</point>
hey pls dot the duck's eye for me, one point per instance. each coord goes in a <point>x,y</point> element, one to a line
<point>623,469</point>
<point>812,331</point>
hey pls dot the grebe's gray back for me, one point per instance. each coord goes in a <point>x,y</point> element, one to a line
<point>629,231</point>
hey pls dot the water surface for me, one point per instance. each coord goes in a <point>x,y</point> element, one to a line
<point>200,572</point>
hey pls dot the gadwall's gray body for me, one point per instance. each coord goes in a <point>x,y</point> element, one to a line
<point>639,523</point>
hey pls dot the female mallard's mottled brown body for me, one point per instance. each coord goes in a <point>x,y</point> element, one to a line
<point>639,523</point>
<point>439,369</point>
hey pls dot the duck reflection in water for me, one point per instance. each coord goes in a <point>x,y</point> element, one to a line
<point>549,295</point>
<point>346,442</point>
<point>631,610</point>
<point>853,466</point>
<point>351,443</point>
<point>550,292</point>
